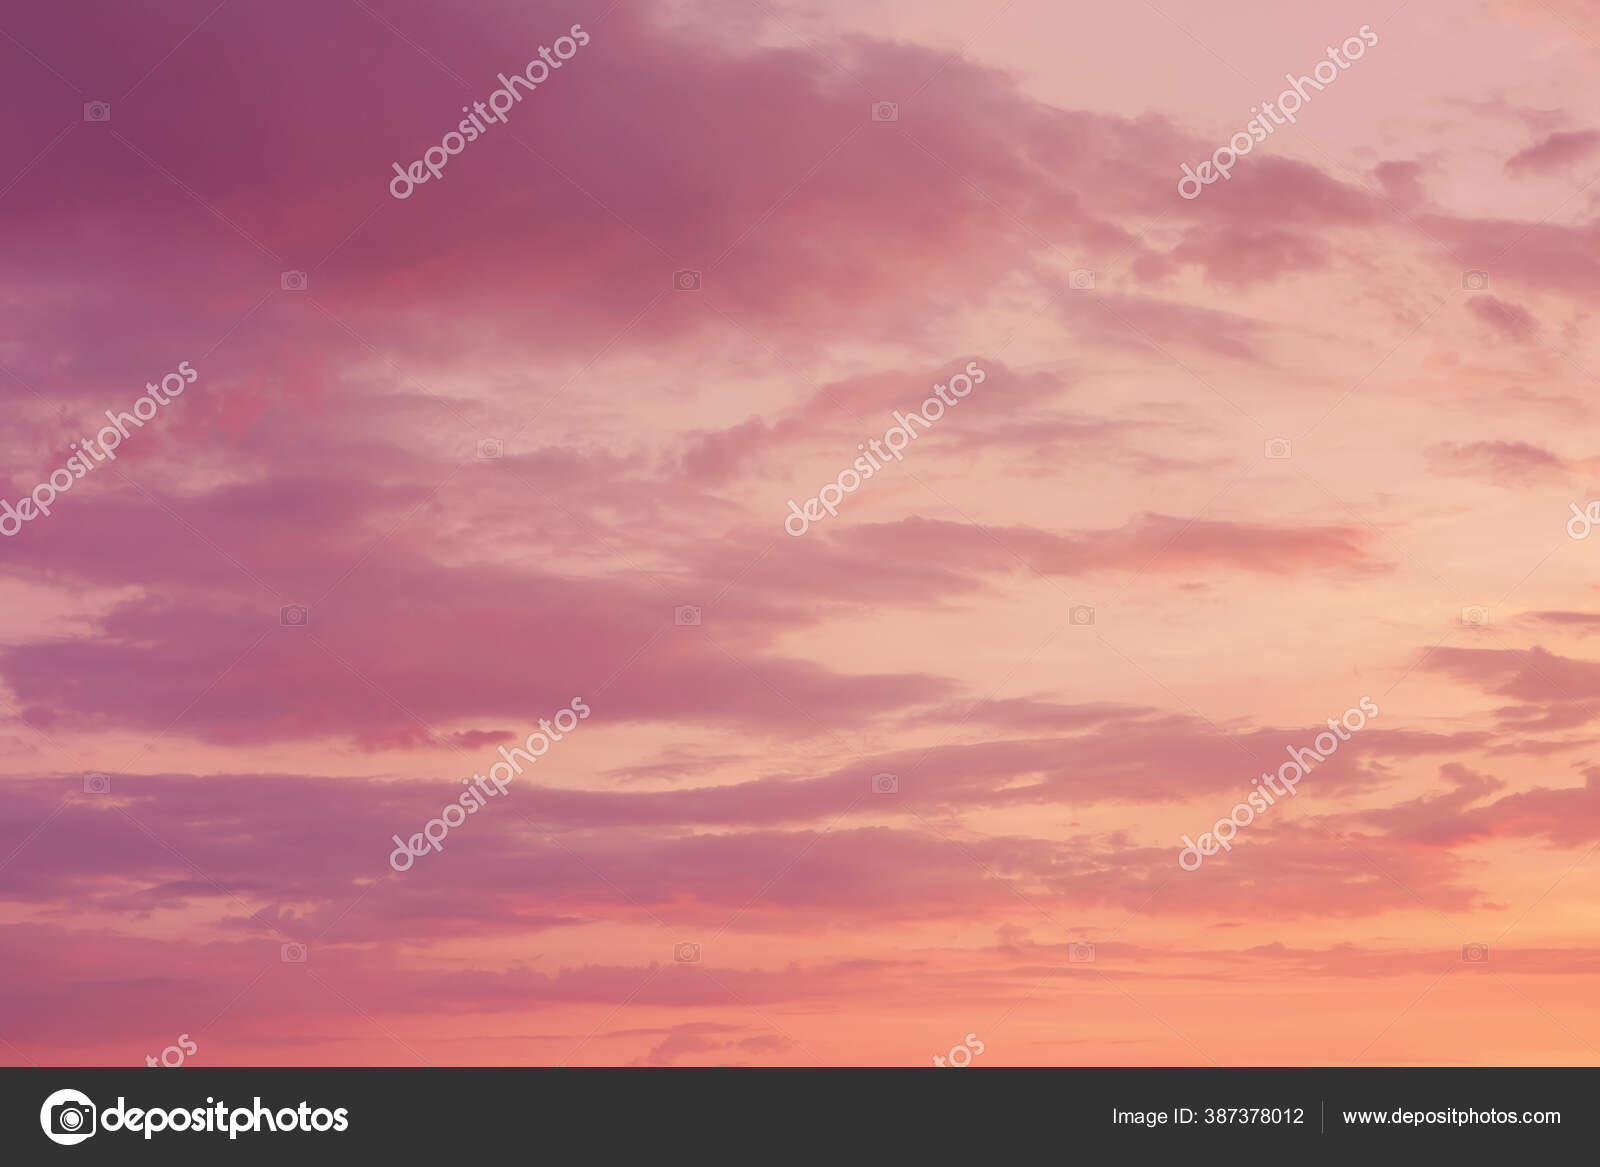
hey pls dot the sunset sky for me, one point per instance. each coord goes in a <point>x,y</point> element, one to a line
<point>451,462</point>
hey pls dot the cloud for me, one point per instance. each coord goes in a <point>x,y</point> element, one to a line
<point>1165,543</point>
<point>1511,321</point>
<point>1555,152</point>
<point>1534,675</point>
<point>1504,463</point>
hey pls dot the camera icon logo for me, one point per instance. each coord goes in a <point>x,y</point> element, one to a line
<point>96,111</point>
<point>1081,279</point>
<point>293,281</point>
<point>1475,616</point>
<point>292,953</point>
<point>1475,281</point>
<point>1475,953</point>
<point>96,784</point>
<point>1277,449</point>
<point>294,615</point>
<point>489,449</point>
<point>68,1117</point>
<point>884,784</point>
<point>686,616</point>
<point>686,953</point>
<point>1081,615</point>
<point>1080,953</point>
<point>686,280</point>
<point>885,111</point>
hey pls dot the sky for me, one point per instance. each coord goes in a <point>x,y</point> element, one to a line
<point>352,492</point>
